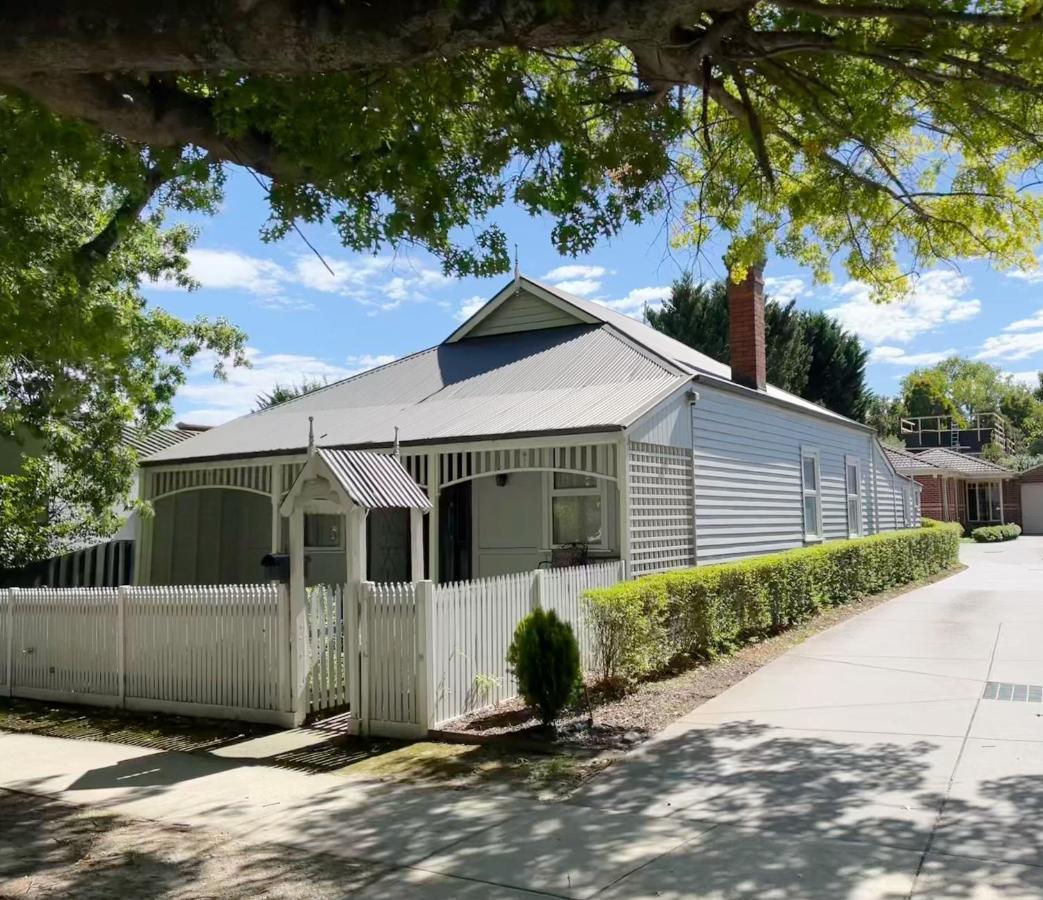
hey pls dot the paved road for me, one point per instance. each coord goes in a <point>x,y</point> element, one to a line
<point>865,763</point>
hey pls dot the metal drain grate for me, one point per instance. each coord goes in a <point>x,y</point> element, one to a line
<point>1018,693</point>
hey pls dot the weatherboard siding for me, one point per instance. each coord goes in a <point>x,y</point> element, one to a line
<point>747,475</point>
<point>523,312</point>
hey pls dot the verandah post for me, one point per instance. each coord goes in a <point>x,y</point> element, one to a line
<point>425,639</point>
<point>298,620</point>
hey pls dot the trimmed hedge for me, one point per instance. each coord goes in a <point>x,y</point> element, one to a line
<point>926,522</point>
<point>639,627</point>
<point>989,534</point>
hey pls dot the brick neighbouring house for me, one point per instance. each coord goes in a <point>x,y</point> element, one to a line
<point>958,487</point>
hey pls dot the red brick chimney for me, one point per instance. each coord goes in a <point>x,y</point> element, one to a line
<point>746,330</point>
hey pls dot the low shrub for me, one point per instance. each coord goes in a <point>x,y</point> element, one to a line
<point>989,534</point>
<point>926,522</point>
<point>544,655</point>
<point>640,626</point>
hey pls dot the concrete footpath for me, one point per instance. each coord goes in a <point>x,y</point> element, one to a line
<point>899,754</point>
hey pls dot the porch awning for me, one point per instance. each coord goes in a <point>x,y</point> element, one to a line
<point>374,480</point>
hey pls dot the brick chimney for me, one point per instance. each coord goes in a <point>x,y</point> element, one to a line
<point>746,330</point>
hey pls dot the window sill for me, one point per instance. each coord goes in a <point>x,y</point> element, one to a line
<point>813,539</point>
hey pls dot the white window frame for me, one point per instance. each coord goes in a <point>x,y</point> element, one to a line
<point>908,505</point>
<point>814,532</point>
<point>599,489</point>
<point>854,529</point>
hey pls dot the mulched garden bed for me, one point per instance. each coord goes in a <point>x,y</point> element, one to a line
<point>616,721</point>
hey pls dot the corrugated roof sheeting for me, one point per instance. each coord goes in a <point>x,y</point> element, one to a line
<point>145,443</point>
<point>374,480</point>
<point>582,378</point>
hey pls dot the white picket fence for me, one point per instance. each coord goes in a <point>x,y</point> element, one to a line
<point>207,651</point>
<point>474,621</point>
<point>402,658</point>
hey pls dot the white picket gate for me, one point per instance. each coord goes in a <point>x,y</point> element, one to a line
<point>329,669</point>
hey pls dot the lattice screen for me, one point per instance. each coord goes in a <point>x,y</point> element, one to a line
<point>662,519</point>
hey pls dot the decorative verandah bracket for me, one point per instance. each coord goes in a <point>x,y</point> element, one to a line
<point>348,483</point>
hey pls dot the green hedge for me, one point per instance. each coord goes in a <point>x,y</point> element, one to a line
<point>640,626</point>
<point>926,522</point>
<point>988,534</point>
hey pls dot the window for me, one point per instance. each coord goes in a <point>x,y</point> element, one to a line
<point>983,502</point>
<point>853,480</point>
<point>323,532</point>
<point>809,483</point>
<point>577,510</point>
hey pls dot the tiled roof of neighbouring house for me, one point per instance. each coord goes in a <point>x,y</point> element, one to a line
<point>963,463</point>
<point>907,463</point>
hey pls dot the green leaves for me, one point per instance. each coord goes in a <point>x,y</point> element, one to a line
<point>81,354</point>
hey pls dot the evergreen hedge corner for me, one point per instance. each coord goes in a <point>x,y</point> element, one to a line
<point>640,626</point>
<point>989,534</point>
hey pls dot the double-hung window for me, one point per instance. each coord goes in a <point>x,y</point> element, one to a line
<point>853,487</point>
<point>577,510</point>
<point>811,489</point>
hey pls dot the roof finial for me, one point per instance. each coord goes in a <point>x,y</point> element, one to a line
<point>517,269</point>
<point>395,450</point>
<point>311,435</point>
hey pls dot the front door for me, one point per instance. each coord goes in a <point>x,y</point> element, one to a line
<point>387,545</point>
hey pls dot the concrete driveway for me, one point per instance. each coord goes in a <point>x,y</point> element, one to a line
<point>876,760</point>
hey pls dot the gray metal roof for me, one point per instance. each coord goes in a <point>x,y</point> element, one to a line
<point>963,463</point>
<point>590,377</point>
<point>574,379</point>
<point>145,443</point>
<point>374,480</point>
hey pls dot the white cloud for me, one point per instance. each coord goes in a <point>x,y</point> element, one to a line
<point>211,402</point>
<point>634,303</point>
<point>1031,275</point>
<point>570,272</point>
<point>897,356</point>
<point>937,299</point>
<point>1029,379</point>
<point>582,287</point>
<point>1012,346</point>
<point>312,273</point>
<point>280,303</point>
<point>230,270</point>
<point>784,289</point>
<point>469,307</point>
<point>1032,323</point>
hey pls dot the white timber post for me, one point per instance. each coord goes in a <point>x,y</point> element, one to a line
<point>623,481</point>
<point>11,594</point>
<point>536,590</point>
<point>276,482</point>
<point>434,490</point>
<point>284,639</point>
<point>143,539</point>
<point>365,609</point>
<point>356,648</point>
<point>353,650</point>
<point>425,670</point>
<point>121,632</point>
<point>416,544</point>
<point>298,619</point>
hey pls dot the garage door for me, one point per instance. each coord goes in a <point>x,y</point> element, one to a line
<point>1032,508</point>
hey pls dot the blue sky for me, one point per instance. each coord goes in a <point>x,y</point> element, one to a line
<point>303,322</point>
